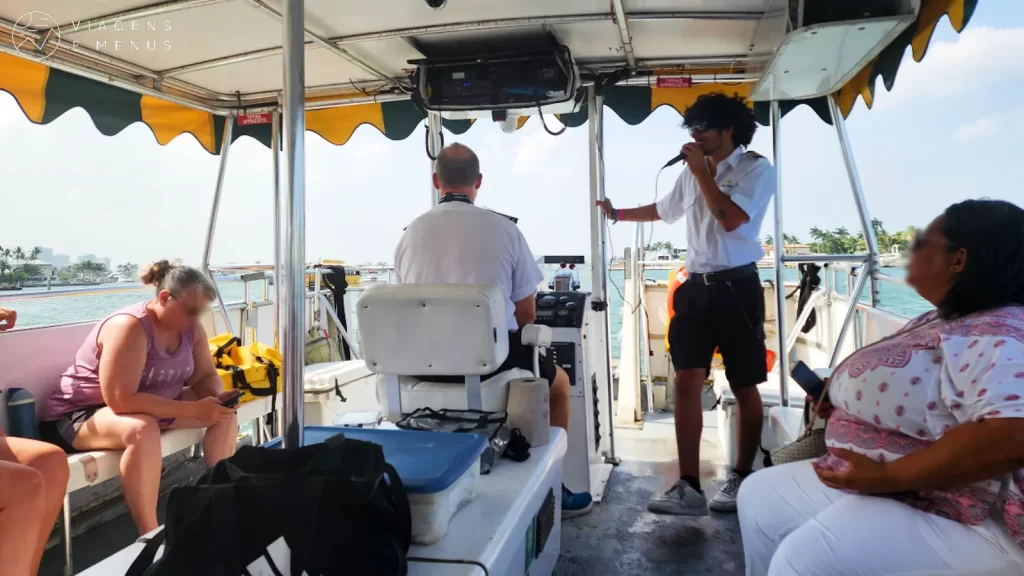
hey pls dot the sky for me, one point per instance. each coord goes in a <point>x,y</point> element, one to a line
<point>949,131</point>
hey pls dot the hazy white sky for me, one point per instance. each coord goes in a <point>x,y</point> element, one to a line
<point>949,131</point>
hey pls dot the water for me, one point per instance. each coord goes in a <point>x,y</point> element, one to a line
<point>39,307</point>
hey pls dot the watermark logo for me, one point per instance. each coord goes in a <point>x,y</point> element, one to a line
<point>36,35</point>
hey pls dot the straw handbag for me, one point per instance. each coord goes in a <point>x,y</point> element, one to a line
<point>810,444</point>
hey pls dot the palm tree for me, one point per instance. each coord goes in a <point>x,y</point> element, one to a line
<point>768,240</point>
<point>19,256</point>
<point>127,270</point>
<point>790,239</point>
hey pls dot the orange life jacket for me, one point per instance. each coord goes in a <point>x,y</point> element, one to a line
<point>675,280</point>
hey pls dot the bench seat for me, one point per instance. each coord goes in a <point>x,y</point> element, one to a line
<point>91,468</point>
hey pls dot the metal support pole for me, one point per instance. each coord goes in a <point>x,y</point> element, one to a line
<point>434,126</point>
<point>225,147</point>
<point>858,197</point>
<point>780,286</point>
<point>599,256</point>
<point>275,151</point>
<point>858,289</point>
<point>291,289</point>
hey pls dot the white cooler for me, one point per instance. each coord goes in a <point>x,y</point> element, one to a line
<point>336,388</point>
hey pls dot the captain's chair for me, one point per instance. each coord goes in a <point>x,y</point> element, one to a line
<point>410,332</point>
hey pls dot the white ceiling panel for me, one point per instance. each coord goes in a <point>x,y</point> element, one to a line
<point>266,74</point>
<point>632,6</point>
<point>343,18</point>
<point>658,39</point>
<point>592,41</point>
<point>183,37</point>
<point>66,11</point>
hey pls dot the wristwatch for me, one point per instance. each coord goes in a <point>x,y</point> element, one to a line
<point>615,215</point>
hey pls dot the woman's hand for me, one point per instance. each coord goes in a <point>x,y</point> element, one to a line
<point>825,409</point>
<point>209,411</point>
<point>605,206</point>
<point>862,475</point>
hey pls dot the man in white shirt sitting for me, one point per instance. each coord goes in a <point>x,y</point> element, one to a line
<point>456,242</point>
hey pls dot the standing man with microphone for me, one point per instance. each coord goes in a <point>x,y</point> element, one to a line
<point>723,194</point>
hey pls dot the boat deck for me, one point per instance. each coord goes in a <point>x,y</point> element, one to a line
<point>619,537</point>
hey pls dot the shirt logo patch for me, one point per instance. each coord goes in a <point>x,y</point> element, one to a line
<point>729,185</point>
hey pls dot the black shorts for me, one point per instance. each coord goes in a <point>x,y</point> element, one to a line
<point>519,356</point>
<point>62,432</point>
<point>728,315</point>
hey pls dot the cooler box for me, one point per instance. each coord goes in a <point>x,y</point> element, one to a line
<point>323,384</point>
<point>439,470</point>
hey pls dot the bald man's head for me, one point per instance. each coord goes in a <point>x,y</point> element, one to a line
<point>457,168</point>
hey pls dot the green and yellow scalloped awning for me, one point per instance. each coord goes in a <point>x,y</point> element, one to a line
<point>44,94</point>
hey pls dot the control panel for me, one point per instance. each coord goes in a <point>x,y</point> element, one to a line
<point>561,309</point>
<point>564,355</point>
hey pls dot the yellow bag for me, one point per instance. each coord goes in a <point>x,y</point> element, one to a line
<point>254,369</point>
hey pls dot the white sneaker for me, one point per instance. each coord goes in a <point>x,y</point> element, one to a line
<point>725,500</point>
<point>681,500</point>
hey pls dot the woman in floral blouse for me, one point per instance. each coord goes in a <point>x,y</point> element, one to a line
<point>926,432</point>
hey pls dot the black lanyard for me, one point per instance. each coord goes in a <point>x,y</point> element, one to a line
<point>455,197</point>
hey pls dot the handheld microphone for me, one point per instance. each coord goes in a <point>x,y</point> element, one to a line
<point>675,160</point>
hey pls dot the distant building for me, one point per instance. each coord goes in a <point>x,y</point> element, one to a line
<point>60,260</point>
<point>46,255</point>
<point>788,250</point>
<point>104,261</point>
<point>87,258</point>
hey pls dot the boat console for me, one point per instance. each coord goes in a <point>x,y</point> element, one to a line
<point>568,314</point>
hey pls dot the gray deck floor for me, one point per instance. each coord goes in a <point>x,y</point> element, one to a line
<point>619,537</point>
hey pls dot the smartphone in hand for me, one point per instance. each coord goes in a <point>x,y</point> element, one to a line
<point>232,400</point>
<point>808,380</point>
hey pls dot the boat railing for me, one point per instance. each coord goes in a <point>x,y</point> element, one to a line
<point>257,272</point>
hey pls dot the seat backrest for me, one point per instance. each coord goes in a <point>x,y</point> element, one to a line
<point>433,329</point>
<point>35,358</point>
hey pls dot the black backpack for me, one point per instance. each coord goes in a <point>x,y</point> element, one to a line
<point>320,510</point>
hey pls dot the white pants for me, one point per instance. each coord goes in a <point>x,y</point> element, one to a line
<point>792,524</point>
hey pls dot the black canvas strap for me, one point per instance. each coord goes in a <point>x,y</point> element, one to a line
<point>145,558</point>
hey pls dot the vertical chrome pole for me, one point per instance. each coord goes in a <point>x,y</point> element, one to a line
<point>291,288</point>
<point>599,255</point>
<point>225,148</point>
<point>434,125</point>
<point>780,286</point>
<point>858,198</point>
<point>275,149</point>
<point>851,312</point>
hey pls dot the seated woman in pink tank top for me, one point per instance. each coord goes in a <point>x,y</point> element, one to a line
<point>145,369</point>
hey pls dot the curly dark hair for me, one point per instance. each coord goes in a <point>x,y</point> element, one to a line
<point>719,111</point>
<point>992,234</point>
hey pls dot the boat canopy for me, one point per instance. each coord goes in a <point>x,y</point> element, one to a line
<point>186,66</point>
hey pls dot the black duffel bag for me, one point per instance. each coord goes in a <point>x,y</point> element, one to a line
<point>320,510</point>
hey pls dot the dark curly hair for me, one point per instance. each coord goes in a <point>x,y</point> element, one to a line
<point>719,111</point>
<point>992,234</point>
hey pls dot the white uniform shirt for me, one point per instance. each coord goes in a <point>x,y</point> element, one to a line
<point>459,243</point>
<point>749,181</point>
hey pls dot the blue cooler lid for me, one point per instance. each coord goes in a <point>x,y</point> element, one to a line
<point>427,462</point>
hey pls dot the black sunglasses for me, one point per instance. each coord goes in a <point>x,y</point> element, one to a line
<point>698,128</point>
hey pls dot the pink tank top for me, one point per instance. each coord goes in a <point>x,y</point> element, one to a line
<point>164,375</point>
